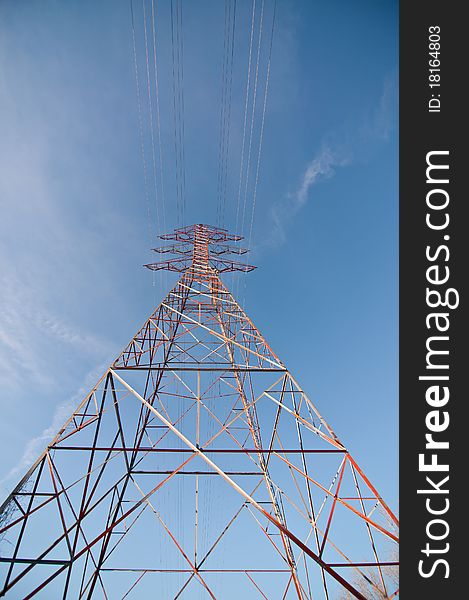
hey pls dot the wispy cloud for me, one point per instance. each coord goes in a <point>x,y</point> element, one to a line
<point>383,118</point>
<point>36,445</point>
<point>29,332</point>
<point>321,167</point>
<point>337,152</point>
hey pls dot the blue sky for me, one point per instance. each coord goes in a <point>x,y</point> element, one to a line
<point>77,221</point>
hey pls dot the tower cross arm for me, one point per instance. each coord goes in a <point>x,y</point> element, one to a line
<point>199,248</point>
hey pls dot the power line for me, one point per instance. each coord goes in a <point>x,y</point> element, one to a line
<point>246,104</point>
<point>261,136</point>
<point>160,149</point>
<point>183,152</point>
<point>150,109</point>
<point>178,201</point>
<point>140,121</point>
<point>253,112</point>
<point>222,110</point>
<point>155,67</point>
<point>178,105</point>
<point>245,112</point>
<point>228,116</point>
<point>225,112</point>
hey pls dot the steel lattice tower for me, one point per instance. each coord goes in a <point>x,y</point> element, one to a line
<point>197,467</point>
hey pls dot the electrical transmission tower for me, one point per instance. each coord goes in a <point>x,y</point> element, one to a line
<point>197,467</point>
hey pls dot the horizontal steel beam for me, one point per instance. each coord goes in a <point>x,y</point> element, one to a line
<point>169,367</point>
<point>207,450</point>
<point>258,473</point>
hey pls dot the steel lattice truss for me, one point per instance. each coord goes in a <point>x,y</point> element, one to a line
<point>197,467</point>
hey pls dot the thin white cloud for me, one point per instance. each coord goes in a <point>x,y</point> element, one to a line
<point>62,412</point>
<point>29,332</point>
<point>374,129</point>
<point>383,119</point>
<point>31,337</point>
<point>321,167</point>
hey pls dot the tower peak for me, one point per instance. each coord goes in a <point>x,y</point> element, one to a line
<point>198,248</point>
